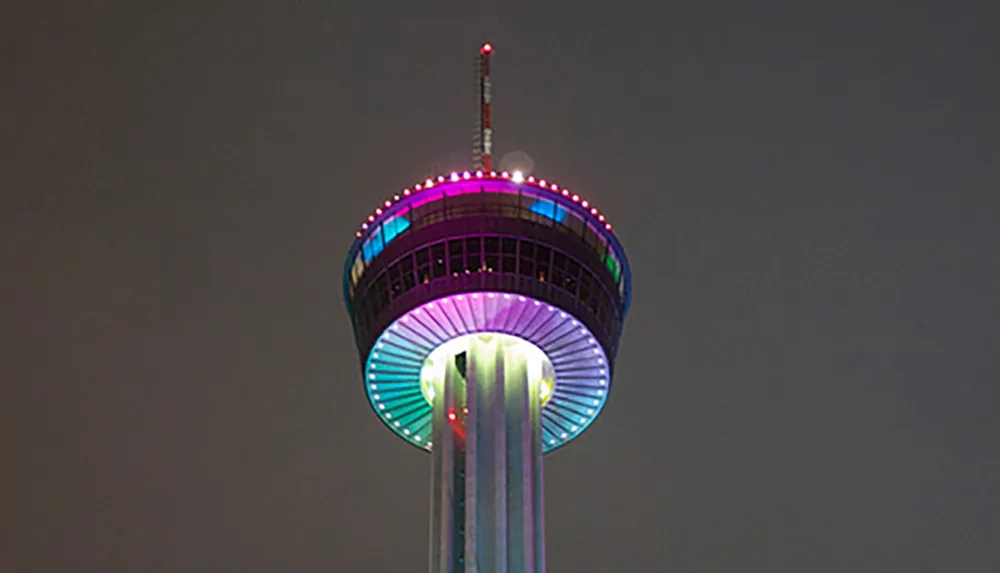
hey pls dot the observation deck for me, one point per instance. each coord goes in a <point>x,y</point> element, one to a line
<point>487,253</point>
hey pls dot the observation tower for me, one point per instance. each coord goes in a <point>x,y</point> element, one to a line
<point>487,309</point>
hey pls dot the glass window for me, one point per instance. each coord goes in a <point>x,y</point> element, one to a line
<point>508,263</point>
<point>526,261</point>
<point>423,257</point>
<point>559,261</point>
<point>406,269</point>
<point>542,264</point>
<point>455,250</point>
<point>572,224</point>
<point>392,227</point>
<point>491,245</point>
<point>373,246</point>
<point>611,261</point>
<point>585,287</point>
<point>381,292</point>
<point>473,256</point>
<point>357,269</point>
<point>571,278</point>
<point>508,204</point>
<point>437,257</point>
<point>395,281</point>
<point>492,263</point>
<point>508,245</point>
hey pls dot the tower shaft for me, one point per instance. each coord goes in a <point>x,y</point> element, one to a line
<point>486,508</point>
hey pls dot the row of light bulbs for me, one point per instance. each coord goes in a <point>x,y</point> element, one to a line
<point>516,177</point>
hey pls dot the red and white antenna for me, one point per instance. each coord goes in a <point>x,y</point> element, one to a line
<point>483,140</point>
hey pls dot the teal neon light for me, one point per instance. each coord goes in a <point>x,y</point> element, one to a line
<point>383,235</point>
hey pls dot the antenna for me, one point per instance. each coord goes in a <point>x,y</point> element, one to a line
<point>482,142</point>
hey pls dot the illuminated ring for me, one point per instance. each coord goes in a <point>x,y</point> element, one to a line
<point>392,370</point>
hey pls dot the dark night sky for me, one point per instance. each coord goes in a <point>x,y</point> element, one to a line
<point>808,380</point>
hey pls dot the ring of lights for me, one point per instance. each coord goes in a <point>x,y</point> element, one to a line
<point>455,177</point>
<point>580,366</point>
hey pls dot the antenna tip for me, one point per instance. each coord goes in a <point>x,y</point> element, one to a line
<point>487,48</point>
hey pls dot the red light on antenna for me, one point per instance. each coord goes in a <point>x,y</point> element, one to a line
<point>451,416</point>
<point>486,49</point>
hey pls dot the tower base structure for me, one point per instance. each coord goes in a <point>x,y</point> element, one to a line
<point>487,391</point>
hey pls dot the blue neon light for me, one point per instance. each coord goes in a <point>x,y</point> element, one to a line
<point>549,209</point>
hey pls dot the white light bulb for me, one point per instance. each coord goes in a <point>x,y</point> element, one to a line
<point>517,177</point>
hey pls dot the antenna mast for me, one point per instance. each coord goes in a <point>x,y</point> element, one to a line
<point>482,150</point>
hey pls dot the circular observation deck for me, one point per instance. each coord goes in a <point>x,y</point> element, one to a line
<point>475,253</point>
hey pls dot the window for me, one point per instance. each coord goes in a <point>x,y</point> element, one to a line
<point>558,268</point>
<point>542,265</point>
<point>473,255</point>
<point>585,287</point>
<point>406,269</point>
<point>438,265</point>
<point>527,259</point>
<point>373,246</point>
<point>491,247</point>
<point>391,228</point>
<point>423,262</point>
<point>381,298</point>
<point>395,281</point>
<point>508,246</point>
<point>455,251</point>
<point>571,278</point>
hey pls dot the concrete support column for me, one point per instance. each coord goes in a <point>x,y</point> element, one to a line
<point>486,512</point>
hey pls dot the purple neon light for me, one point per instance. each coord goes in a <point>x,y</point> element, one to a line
<point>456,177</point>
<point>392,371</point>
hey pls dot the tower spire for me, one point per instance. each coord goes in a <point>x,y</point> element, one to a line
<point>483,141</point>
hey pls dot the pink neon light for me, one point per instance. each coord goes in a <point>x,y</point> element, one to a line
<point>456,177</point>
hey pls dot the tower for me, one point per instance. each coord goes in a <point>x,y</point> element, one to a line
<point>487,310</point>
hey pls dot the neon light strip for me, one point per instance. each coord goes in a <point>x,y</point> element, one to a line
<point>392,371</point>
